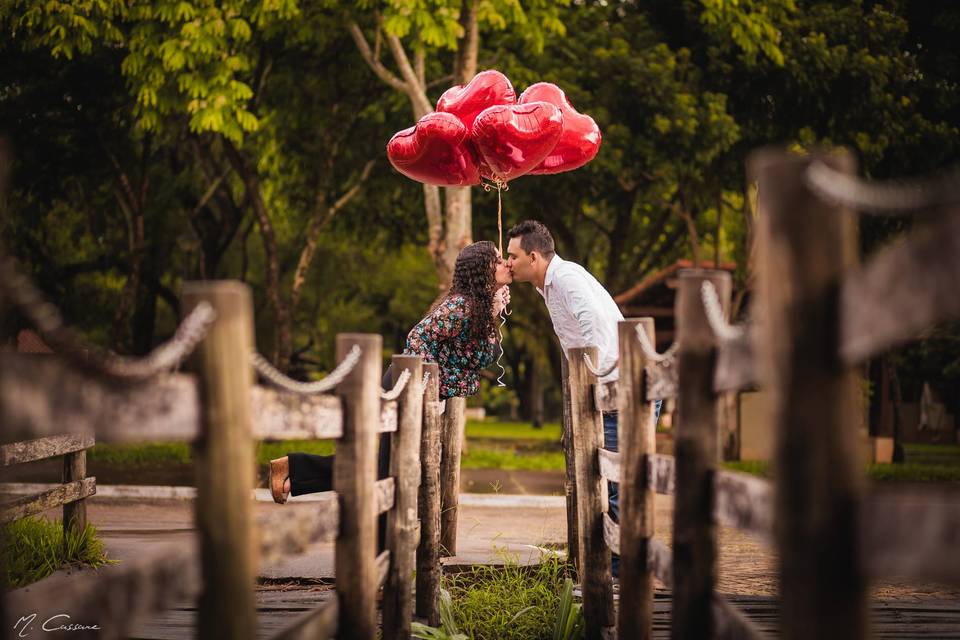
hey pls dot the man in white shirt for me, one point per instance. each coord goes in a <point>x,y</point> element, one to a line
<point>582,311</point>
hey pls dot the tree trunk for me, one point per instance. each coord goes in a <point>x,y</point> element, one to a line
<point>283,345</point>
<point>450,230</point>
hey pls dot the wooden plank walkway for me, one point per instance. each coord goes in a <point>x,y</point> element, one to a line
<point>276,608</point>
<point>890,619</point>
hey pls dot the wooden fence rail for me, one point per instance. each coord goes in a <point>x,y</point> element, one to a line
<point>821,316</point>
<point>220,411</point>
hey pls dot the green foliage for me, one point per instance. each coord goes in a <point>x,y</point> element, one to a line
<point>101,95</point>
<point>190,59</point>
<point>435,24</point>
<point>753,26</point>
<point>512,602</point>
<point>34,549</point>
<point>448,627</point>
<point>568,624</point>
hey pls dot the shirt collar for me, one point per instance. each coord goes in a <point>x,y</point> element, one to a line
<point>551,270</point>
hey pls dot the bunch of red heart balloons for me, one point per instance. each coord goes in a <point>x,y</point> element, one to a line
<point>480,130</point>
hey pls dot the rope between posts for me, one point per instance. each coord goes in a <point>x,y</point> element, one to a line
<point>394,393</point>
<point>882,198</point>
<point>597,372</point>
<point>48,320</point>
<point>714,311</point>
<point>279,379</point>
<point>650,352</point>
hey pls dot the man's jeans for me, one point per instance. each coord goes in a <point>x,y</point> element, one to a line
<point>610,443</point>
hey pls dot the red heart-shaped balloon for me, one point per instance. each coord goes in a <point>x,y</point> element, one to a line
<point>435,151</point>
<point>513,139</point>
<point>580,139</point>
<point>486,89</point>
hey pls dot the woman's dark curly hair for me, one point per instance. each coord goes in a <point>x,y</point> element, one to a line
<point>474,278</point>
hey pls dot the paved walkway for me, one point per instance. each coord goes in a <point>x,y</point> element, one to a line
<point>490,529</point>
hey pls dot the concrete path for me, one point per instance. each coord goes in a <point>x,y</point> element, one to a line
<point>491,528</point>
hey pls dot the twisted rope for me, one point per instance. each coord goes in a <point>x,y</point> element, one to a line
<point>394,393</point>
<point>426,379</point>
<point>595,371</point>
<point>650,352</point>
<point>278,379</point>
<point>47,319</point>
<point>890,198</point>
<point>711,305</point>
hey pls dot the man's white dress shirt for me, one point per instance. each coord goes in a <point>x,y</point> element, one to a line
<point>582,311</point>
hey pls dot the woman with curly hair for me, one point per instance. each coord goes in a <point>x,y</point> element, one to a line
<point>459,334</point>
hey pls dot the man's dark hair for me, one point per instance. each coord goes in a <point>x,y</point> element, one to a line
<point>534,236</point>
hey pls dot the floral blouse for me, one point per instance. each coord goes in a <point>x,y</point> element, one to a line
<point>444,337</point>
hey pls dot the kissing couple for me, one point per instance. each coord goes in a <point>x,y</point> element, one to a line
<point>459,334</point>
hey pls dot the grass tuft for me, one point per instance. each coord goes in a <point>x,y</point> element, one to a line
<point>35,549</point>
<point>512,602</point>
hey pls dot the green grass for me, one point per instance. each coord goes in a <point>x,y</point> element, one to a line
<point>510,602</point>
<point>512,459</point>
<point>906,472</point>
<point>489,429</point>
<point>513,446</point>
<point>163,453</point>
<point>35,549</point>
<point>913,472</point>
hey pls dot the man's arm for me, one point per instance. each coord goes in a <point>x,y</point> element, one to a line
<point>576,295</point>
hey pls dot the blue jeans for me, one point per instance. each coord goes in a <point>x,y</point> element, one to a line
<point>610,443</point>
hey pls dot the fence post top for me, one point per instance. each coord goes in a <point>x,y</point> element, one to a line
<point>202,287</point>
<point>703,274</point>
<point>760,159</point>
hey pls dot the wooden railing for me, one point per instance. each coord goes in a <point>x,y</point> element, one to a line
<point>76,487</point>
<point>221,412</point>
<point>818,315</point>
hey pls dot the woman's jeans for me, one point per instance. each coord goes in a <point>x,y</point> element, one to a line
<point>610,443</point>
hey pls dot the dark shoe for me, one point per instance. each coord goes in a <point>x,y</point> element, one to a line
<point>279,472</point>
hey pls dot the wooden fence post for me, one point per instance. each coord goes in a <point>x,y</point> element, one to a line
<point>402,523</point>
<point>452,434</point>
<point>354,474</point>
<point>595,576</point>
<point>806,247</point>
<point>428,502</point>
<point>570,478</point>
<point>74,513</point>
<point>637,438</point>
<point>697,454</point>
<point>224,462</point>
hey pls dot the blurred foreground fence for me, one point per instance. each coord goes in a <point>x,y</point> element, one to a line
<point>817,314</point>
<point>222,412</point>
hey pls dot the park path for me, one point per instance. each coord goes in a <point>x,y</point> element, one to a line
<point>490,529</point>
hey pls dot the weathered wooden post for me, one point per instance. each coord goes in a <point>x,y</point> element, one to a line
<point>224,462</point>
<point>402,523</point>
<point>74,513</point>
<point>570,477</point>
<point>637,439</point>
<point>354,475</point>
<point>806,245</point>
<point>428,502</point>
<point>595,576</point>
<point>697,454</point>
<point>452,434</point>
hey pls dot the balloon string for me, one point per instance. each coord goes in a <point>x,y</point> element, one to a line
<point>500,217</point>
<point>503,372</point>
